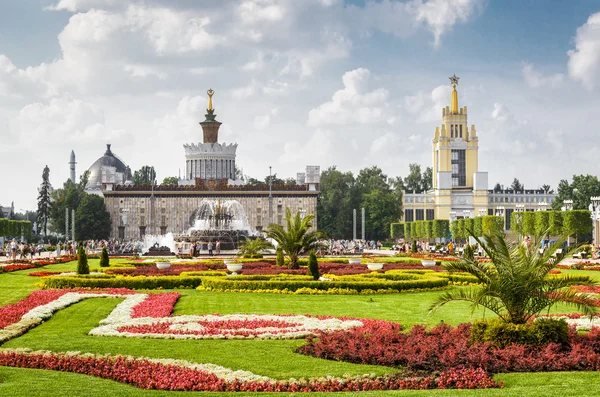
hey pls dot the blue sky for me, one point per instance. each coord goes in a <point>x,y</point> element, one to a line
<point>327,82</point>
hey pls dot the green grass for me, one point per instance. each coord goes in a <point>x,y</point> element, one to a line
<point>67,331</point>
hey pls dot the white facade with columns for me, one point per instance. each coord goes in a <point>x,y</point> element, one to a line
<point>210,161</point>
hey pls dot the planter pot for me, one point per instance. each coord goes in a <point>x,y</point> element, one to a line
<point>428,263</point>
<point>354,261</point>
<point>234,268</point>
<point>375,266</point>
<point>163,265</point>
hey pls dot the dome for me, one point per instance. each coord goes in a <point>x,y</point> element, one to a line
<point>95,179</point>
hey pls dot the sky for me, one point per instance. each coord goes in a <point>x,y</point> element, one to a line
<point>350,84</point>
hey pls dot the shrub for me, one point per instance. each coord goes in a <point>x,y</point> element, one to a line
<point>313,266</point>
<point>108,281</point>
<point>104,261</point>
<point>82,264</point>
<point>280,258</point>
<point>541,332</point>
<point>414,247</point>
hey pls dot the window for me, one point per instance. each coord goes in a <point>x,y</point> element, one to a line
<point>459,171</point>
<point>258,220</point>
<point>142,231</point>
<point>409,215</point>
<point>460,130</point>
<point>122,232</point>
<point>490,211</point>
<point>163,230</point>
<point>142,221</point>
<point>163,220</point>
<point>452,131</point>
<point>429,214</point>
<point>419,214</point>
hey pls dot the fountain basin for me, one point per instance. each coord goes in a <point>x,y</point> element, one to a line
<point>354,261</point>
<point>163,265</point>
<point>234,268</point>
<point>428,263</point>
<point>375,266</point>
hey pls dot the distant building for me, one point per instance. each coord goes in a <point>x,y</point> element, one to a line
<point>209,176</point>
<point>460,190</point>
<point>108,170</point>
<point>8,212</point>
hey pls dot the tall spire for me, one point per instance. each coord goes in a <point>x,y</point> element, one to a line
<point>210,126</point>
<point>454,103</point>
<point>72,163</point>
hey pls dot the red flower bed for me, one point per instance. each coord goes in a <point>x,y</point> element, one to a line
<point>156,305</point>
<point>174,270</point>
<point>445,347</point>
<point>43,273</point>
<point>589,289</point>
<point>152,375</point>
<point>11,314</point>
<point>16,267</point>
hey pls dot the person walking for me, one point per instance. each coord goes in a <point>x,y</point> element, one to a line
<point>218,247</point>
<point>210,248</point>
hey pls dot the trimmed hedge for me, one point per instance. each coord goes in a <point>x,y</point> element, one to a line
<point>237,283</point>
<point>107,281</point>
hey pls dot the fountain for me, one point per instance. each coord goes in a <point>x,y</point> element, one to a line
<point>153,245</point>
<point>214,221</point>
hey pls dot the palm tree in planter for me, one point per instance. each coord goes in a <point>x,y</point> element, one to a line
<point>254,248</point>
<point>516,285</point>
<point>296,238</point>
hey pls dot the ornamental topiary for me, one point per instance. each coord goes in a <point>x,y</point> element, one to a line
<point>313,266</point>
<point>501,334</point>
<point>104,261</point>
<point>82,264</point>
<point>414,249</point>
<point>280,258</point>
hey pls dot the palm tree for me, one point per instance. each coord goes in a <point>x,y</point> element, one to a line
<point>251,248</point>
<point>517,284</point>
<point>296,238</point>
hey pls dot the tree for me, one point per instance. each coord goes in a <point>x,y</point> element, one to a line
<point>43,212</point>
<point>580,190</point>
<point>254,182</point>
<point>69,196</point>
<point>516,285</point>
<point>82,263</point>
<point>381,209</point>
<point>104,261</point>
<point>313,266</point>
<point>144,176</point>
<point>547,189</point>
<point>335,203</point>
<point>91,218</point>
<point>414,180</point>
<point>280,259</point>
<point>296,238</point>
<point>170,181</point>
<point>252,248</point>
<point>1,213</point>
<point>497,188</point>
<point>427,179</point>
<point>516,185</point>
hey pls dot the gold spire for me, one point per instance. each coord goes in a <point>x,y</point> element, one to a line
<point>454,103</point>
<point>210,93</point>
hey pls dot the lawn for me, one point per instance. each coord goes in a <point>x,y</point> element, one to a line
<point>67,331</point>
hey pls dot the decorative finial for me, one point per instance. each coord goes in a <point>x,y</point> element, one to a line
<point>210,93</point>
<point>454,80</point>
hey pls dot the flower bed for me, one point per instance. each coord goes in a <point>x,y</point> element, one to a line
<point>444,347</point>
<point>23,264</point>
<point>43,273</point>
<point>112,281</point>
<point>184,376</point>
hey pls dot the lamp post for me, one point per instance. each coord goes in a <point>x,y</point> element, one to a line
<point>595,214</point>
<point>568,205</point>
<point>482,212</point>
<point>520,208</point>
<point>467,213</point>
<point>542,206</point>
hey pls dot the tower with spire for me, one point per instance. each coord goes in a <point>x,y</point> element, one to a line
<point>209,159</point>
<point>455,147</point>
<point>72,163</point>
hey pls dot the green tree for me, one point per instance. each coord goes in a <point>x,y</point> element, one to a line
<point>580,190</point>
<point>104,260</point>
<point>414,180</point>
<point>547,189</point>
<point>577,222</point>
<point>252,248</point>
<point>82,263</point>
<point>255,182</point>
<point>313,266</point>
<point>43,212</point>
<point>91,219</point>
<point>69,196</point>
<point>145,176</point>
<point>397,230</point>
<point>497,188</point>
<point>542,223</point>
<point>516,285</point>
<point>528,223</point>
<point>296,238</point>
<point>517,186</point>
<point>280,258</point>
<point>170,181</point>
<point>381,210</point>
<point>427,179</point>
<point>335,203</point>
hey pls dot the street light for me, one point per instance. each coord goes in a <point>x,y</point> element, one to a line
<point>467,213</point>
<point>542,206</point>
<point>520,208</point>
<point>568,205</point>
<point>499,211</point>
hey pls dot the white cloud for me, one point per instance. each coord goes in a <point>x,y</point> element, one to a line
<point>441,15</point>
<point>144,71</point>
<point>81,5</point>
<point>534,78</point>
<point>584,60</point>
<point>355,103</point>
